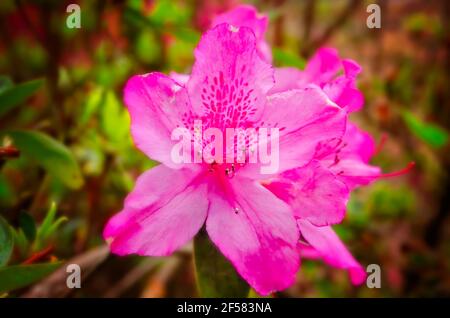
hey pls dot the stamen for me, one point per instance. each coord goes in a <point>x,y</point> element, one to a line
<point>230,172</point>
<point>398,173</point>
<point>381,144</point>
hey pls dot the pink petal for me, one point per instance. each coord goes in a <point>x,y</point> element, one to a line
<point>322,70</point>
<point>332,250</point>
<point>156,104</point>
<point>229,80</point>
<point>323,66</point>
<point>350,162</point>
<point>288,78</point>
<point>259,238</point>
<point>159,217</point>
<point>359,143</point>
<point>355,173</point>
<point>351,68</point>
<point>343,92</point>
<point>307,117</point>
<point>313,192</point>
<point>247,16</point>
<point>181,79</point>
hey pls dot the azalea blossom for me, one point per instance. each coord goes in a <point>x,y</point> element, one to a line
<point>229,87</point>
<point>318,192</point>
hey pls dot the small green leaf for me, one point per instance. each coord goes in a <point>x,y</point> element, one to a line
<point>28,226</point>
<point>286,58</point>
<point>21,242</point>
<point>6,242</point>
<point>13,96</point>
<point>216,277</point>
<point>52,155</point>
<point>48,227</point>
<point>5,83</point>
<point>432,134</point>
<point>18,276</point>
<point>48,221</point>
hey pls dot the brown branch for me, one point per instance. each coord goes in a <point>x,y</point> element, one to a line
<point>55,285</point>
<point>308,18</point>
<point>351,7</point>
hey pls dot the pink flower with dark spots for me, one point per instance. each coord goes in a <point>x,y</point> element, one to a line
<point>228,88</point>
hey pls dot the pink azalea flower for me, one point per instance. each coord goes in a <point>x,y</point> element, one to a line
<point>318,192</point>
<point>229,87</point>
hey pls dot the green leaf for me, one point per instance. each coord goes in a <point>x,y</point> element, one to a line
<point>216,277</point>
<point>28,226</point>
<point>21,242</point>
<point>48,227</point>
<point>432,134</point>
<point>52,155</point>
<point>286,58</point>
<point>48,221</point>
<point>13,96</point>
<point>18,276</point>
<point>6,242</point>
<point>5,83</point>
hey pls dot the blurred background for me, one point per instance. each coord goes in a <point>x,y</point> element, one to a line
<point>67,160</point>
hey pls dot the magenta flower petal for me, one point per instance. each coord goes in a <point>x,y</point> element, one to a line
<point>257,233</point>
<point>331,249</point>
<point>229,81</point>
<point>322,70</point>
<point>159,217</point>
<point>313,192</point>
<point>181,79</point>
<point>305,117</point>
<point>350,159</point>
<point>156,104</point>
<point>288,78</point>
<point>323,66</point>
<point>248,16</point>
